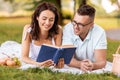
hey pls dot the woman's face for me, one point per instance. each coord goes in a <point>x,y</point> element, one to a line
<point>46,20</point>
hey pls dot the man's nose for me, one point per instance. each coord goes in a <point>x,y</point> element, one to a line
<point>75,26</point>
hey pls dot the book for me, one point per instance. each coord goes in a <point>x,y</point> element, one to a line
<point>55,53</point>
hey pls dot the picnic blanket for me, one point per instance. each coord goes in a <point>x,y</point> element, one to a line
<point>14,48</point>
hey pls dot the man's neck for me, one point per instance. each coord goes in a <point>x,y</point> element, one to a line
<point>82,37</point>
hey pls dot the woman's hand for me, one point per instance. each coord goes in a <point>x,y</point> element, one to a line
<point>60,63</point>
<point>46,63</point>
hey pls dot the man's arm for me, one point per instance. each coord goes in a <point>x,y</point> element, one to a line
<point>74,63</point>
<point>100,59</point>
<point>100,52</point>
<point>85,65</point>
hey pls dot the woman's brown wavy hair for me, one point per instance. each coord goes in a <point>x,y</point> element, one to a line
<point>34,23</point>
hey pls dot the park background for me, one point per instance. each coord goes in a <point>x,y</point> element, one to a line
<point>14,14</point>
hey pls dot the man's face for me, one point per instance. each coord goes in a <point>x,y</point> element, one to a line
<point>82,24</point>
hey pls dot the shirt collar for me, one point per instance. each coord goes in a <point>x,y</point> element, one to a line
<point>88,37</point>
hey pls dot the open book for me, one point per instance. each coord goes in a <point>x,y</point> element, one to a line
<point>55,53</point>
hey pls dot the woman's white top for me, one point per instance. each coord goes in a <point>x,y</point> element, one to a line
<point>34,49</point>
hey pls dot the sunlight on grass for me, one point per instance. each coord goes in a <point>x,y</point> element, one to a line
<point>11,28</point>
<point>108,23</point>
<point>15,21</point>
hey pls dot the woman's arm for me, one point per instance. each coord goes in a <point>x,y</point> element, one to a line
<point>58,37</point>
<point>26,40</point>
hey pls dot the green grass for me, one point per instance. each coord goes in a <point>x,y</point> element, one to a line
<point>11,29</point>
<point>108,23</point>
<point>46,74</point>
<point>112,47</point>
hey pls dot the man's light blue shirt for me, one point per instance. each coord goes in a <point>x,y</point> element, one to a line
<point>96,39</point>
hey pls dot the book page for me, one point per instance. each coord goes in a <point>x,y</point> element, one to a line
<point>51,45</point>
<point>63,46</point>
<point>67,46</point>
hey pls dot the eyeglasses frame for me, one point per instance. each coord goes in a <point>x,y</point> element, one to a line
<point>80,24</point>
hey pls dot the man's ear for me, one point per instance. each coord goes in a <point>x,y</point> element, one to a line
<point>92,24</point>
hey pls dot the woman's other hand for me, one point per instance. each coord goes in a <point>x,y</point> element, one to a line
<point>60,63</point>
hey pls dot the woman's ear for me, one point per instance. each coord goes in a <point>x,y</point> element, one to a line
<point>37,18</point>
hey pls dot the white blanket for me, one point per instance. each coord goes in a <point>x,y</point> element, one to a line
<point>72,70</point>
<point>12,47</point>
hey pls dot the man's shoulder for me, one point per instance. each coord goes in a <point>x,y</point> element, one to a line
<point>68,25</point>
<point>98,29</point>
<point>97,32</point>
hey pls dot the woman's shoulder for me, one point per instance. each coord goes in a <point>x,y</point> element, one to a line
<point>27,28</point>
<point>60,29</point>
<point>26,32</point>
<point>60,26</point>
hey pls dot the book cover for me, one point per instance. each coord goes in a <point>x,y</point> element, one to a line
<point>55,53</point>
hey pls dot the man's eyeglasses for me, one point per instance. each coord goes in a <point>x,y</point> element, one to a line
<point>80,25</point>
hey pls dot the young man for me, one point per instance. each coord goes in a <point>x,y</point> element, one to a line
<point>89,38</point>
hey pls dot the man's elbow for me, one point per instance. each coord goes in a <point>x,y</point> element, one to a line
<point>103,64</point>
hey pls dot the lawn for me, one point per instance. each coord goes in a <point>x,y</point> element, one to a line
<point>46,74</point>
<point>11,29</point>
<point>108,23</point>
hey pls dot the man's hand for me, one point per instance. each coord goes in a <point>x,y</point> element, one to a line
<point>86,65</point>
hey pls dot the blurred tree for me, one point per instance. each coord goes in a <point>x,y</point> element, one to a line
<point>78,3</point>
<point>11,1</point>
<point>116,2</point>
<point>31,5</point>
<point>15,4</point>
<point>118,5</point>
<point>82,2</point>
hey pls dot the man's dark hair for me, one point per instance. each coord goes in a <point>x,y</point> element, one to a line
<point>86,10</point>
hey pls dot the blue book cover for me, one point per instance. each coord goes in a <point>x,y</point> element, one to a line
<point>55,53</point>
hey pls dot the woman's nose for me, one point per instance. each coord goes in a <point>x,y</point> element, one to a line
<point>47,22</point>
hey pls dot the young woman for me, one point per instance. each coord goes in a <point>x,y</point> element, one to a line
<point>44,28</point>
